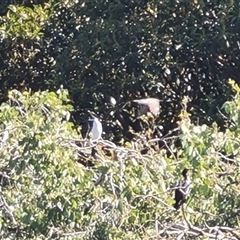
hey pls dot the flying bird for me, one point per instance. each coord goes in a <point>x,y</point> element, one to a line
<point>183,190</point>
<point>95,128</point>
<point>146,105</point>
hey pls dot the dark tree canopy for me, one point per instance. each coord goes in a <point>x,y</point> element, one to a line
<point>126,49</point>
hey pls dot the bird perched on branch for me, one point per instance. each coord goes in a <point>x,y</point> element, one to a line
<point>183,190</point>
<point>147,105</point>
<point>95,128</point>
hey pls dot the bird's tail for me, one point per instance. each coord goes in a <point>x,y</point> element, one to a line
<point>176,205</point>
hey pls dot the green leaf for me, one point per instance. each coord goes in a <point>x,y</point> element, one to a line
<point>103,169</point>
<point>120,206</point>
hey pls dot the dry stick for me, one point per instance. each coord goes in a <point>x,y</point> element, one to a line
<point>223,156</point>
<point>8,210</point>
<point>225,117</point>
<point>184,216</point>
<point>190,226</point>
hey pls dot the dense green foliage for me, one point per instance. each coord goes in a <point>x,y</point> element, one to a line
<point>61,58</point>
<point>47,193</point>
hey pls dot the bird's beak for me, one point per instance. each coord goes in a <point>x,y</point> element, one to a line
<point>90,112</point>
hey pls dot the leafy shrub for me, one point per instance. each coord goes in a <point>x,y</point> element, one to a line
<point>126,195</point>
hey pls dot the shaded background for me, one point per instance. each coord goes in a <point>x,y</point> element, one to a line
<point>126,49</point>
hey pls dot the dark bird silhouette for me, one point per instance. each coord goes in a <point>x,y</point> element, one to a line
<point>183,190</point>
